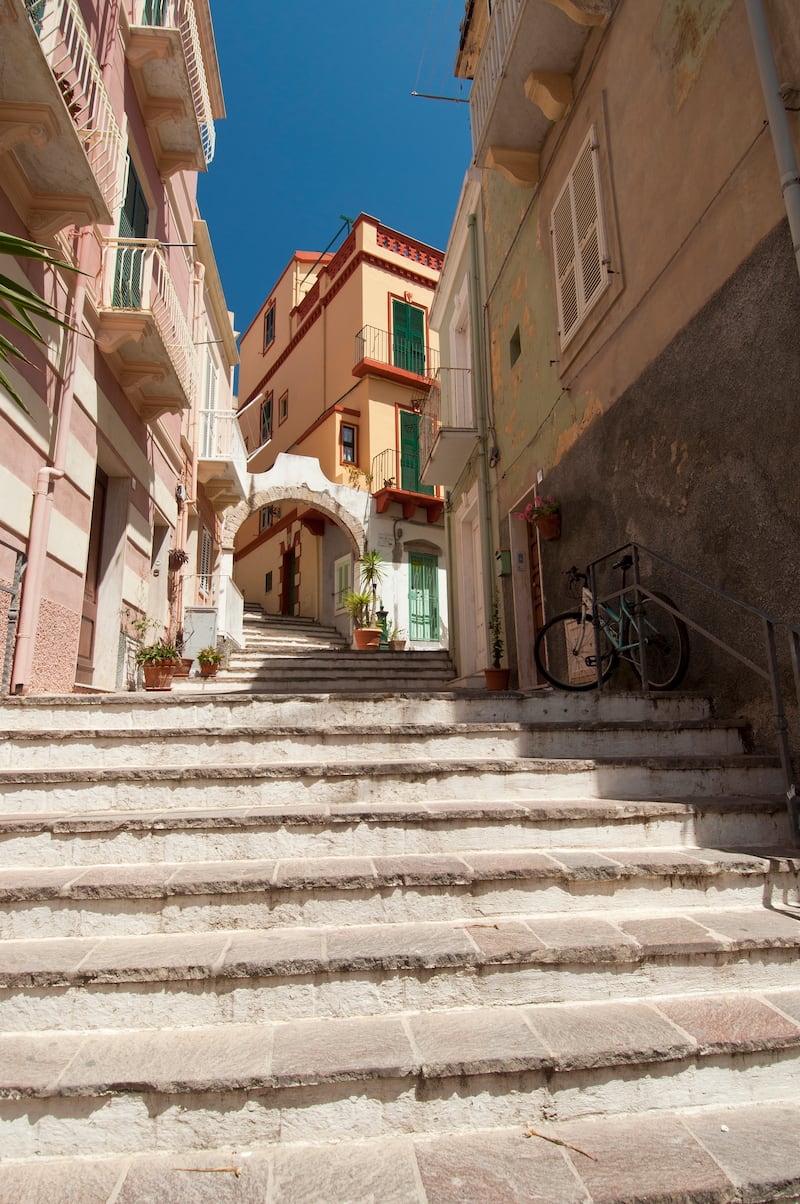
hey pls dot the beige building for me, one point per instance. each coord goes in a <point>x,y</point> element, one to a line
<point>642,300</point>
<point>116,473</point>
<point>334,367</point>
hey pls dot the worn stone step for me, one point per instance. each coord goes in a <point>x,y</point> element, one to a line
<point>88,1093</point>
<point>162,745</point>
<point>57,713</point>
<point>325,783</point>
<point>723,1153</point>
<point>307,829</point>
<point>175,897</point>
<point>250,976</point>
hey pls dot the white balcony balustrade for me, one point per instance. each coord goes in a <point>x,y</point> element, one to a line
<point>447,431</point>
<point>222,458</point>
<point>143,327</point>
<point>64,145</point>
<point>166,58</point>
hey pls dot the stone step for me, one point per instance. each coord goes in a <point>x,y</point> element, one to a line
<point>335,783</point>
<point>116,711</point>
<point>433,1072</point>
<point>180,897</point>
<point>292,681</point>
<point>205,834</point>
<point>250,976</point>
<point>748,1152</point>
<point>39,748</point>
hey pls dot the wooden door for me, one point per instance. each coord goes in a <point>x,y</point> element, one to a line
<point>91,585</point>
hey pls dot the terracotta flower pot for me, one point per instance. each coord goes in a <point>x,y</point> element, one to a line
<point>549,526</point>
<point>497,679</point>
<point>207,670</point>
<point>158,675</point>
<point>367,637</point>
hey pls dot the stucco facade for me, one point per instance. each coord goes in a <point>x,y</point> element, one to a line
<point>334,367</point>
<point>127,448</point>
<point>643,379</point>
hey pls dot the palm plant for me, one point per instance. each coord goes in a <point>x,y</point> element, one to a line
<point>371,578</point>
<point>19,305</point>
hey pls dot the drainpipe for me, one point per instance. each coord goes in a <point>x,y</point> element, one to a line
<point>484,499</point>
<point>778,121</point>
<point>43,495</point>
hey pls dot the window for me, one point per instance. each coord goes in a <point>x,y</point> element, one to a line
<point>579,243</point>
<point>348,444</point>
<point>408,337</point>
<point>268,582</point>
<point>267,517</point>
<point>204,577</point>
<point>283,407</point>
<point>208,429</point>
<point>514,347</point>
<point>343,577</point>
<point>266,419</point>
<point>269,326</point>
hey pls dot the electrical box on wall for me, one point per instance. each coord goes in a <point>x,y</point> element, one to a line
<point>503,558</point>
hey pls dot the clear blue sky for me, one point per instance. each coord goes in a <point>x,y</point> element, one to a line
<point>321,122</point>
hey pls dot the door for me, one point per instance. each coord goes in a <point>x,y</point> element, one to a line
<point>91,585</point>
<point>287,584</point>
<point>423,598</point>
<point>408,337</point>
<point>133,221</point>
<point>409,454</point>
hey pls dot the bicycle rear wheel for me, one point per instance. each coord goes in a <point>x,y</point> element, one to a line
<point>565,653</point>
<point>667,645</point>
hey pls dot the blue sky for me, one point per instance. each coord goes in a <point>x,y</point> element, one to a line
<point>321,122</point>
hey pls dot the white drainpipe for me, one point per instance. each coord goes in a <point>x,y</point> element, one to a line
<point>778,121</point>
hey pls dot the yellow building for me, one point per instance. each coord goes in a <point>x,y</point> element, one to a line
<point>334,367</point>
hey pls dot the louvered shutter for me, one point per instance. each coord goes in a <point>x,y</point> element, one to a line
<point>579,250</point>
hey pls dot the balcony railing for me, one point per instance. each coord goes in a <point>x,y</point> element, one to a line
<point>430,420</point>
<point>221,440</point>
<point>491,64</point>
<point>395,351</point>
<point>180,15</point>
<point>136,277</point>
<point>68,50</point>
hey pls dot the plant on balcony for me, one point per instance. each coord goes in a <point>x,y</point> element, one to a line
<point>19,306</point>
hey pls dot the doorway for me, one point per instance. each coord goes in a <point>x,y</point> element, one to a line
<point>91,585</point>
<point>288,583</point>
<point>423,596</point>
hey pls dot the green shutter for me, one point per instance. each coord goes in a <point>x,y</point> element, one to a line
<point>408,337</point>
<point>409,454</point>
<point>133,221</point>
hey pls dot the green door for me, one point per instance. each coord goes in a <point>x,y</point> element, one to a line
<point>130,260</point>
<point>423,597</point>
<point>409,454</point>
<point>154,12</point>
<point>408,337</point>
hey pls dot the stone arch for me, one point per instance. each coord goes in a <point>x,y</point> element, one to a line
<point>280,485</point>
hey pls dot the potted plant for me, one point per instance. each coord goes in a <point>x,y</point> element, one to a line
<point>397,641</point>
<point>210,660</point>
<point>158,661</point>
<point>177,558</point>
<point>544,513</point>
<point>362,605</point>
<point>496,677</point>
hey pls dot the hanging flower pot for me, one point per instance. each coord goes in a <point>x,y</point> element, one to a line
<point>544,513</point>
<point>549,526</point>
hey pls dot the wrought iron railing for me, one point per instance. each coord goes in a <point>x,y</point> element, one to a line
<point>180,15</point>
<point>397,351</point>
<point>393,469</point>
<point>67,48</point>
<point>491,64</point>
<point>768,671</point>
<point>221,439</point>
<point>135,276</point>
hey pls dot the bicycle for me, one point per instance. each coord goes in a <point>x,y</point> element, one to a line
<point>565,649</point>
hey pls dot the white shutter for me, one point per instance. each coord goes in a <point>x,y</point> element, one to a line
<point>579,246</point>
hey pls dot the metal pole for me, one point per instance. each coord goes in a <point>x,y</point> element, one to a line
<point>598,660</point>
<point>778,121</point>
<point>639,615</point>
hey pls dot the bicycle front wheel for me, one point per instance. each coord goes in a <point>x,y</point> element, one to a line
<point>667,645</point>
<point>565,653</point>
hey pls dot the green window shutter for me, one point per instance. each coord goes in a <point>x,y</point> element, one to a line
<point>409,454</point>
<point>408,337</point>
<point>133,220</point>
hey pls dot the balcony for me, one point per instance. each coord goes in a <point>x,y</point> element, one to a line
<point>394,357</point>
<point>60,145</point>
<point>142,328</point>
<point>395,478</point>
<point>445,448</point>
<point>166,61</point>
<point>523,79</point>
<point>221,458</point>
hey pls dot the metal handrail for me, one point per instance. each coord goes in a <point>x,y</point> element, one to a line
<point>771,624</point>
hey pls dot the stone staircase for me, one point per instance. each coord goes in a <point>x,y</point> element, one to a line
<point>411,947</point>
<point>293,655</point>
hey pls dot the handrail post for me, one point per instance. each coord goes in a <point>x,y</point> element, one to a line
<point>782,729</point>
<point>598,660</point>
<point>638,612</point>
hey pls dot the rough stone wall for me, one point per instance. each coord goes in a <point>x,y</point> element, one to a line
<point>56,650</point>
<point>698,460</point>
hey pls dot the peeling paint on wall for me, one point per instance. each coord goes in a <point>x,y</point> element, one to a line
<point>568,438</point>
<point>684,36</point>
